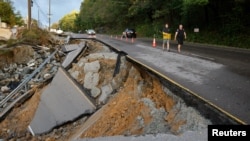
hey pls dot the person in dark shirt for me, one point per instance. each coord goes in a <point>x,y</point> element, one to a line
<point>166,37</point>
<point>180,35</point>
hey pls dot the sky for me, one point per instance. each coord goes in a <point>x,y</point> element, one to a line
<point>40,9</point>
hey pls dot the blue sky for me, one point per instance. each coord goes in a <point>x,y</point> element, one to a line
<point>40,9</point>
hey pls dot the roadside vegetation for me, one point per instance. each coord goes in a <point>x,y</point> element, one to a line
<point>219,22</point>
<point>36,36</point>
<point>8,15</point>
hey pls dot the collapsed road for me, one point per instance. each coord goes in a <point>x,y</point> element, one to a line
<point>209,78</point>
<point>104,73</point>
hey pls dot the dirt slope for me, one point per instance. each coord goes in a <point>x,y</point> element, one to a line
<point>133,110</point>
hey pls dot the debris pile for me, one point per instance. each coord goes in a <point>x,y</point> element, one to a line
<point>24,61</point>
<point>130,101</point>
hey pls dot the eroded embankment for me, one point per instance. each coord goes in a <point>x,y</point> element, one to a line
<point>139,103</point>
<point>134,101</point>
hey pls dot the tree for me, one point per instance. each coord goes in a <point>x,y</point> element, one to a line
<point>219,18</point>
<point>55,26</point>
<point>19,19</point>
<point>6,13</point>
<point>67,23</point>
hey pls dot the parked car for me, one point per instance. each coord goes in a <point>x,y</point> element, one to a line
<point>90,31</point>
<point>129,33</point>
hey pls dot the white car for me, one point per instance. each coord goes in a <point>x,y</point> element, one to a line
<point>59,31</point>
<point>91,32</point>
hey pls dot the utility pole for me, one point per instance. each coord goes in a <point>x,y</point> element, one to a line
<point>38,20</point>
<point>49,15</point>
<point>29,14</point>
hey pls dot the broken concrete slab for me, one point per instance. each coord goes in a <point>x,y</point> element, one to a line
<point>62,101</point>
<point>72,55</point>
<point>67,40</point>
<point>69,48</point>
<point>5,33</point>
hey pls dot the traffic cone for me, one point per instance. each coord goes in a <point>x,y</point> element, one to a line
<point>154,42</point>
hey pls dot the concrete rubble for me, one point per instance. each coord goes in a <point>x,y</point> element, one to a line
<point>12,75</point>
<point>62,101</point>
<point>79,87</point>
<point>72,54</point>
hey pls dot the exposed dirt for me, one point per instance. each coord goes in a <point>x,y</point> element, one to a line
<point>20,55</point>
<point>120,114</point>
<point>15,124</point>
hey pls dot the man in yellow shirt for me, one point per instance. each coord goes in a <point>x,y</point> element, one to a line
<point>166,37</point>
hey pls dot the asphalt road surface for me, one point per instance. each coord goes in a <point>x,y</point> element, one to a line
<point>220,75</point>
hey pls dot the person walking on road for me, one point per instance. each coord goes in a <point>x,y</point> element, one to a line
<point>166,37</point>
<point>180,35</point>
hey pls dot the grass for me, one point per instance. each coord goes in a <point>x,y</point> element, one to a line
<point>6,52</point>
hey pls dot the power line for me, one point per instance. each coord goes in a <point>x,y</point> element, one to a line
<point>40,10</point>
<point>38,7</point>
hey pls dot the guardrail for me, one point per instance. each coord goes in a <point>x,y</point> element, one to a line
<point>26,80</point>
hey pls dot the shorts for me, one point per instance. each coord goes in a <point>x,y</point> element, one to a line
<point>165,41</point>
<point>180,41</point>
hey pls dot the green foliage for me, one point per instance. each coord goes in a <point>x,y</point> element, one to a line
<point>6,12</point>
<point>11,42</point>
<point>195,2</point>
<point>35,36</point>
<point>19,20</point>
<point>223,22</point>
<point>2,42</point>
<point>213,37</point>
<point>55,26</point>
<point>145,30</point>
<point>97,14</point>
<point>67,23</point>
<point>220,22</point>
<point>6,52</point>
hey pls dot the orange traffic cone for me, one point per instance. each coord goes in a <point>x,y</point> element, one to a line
<point>154,42</point>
